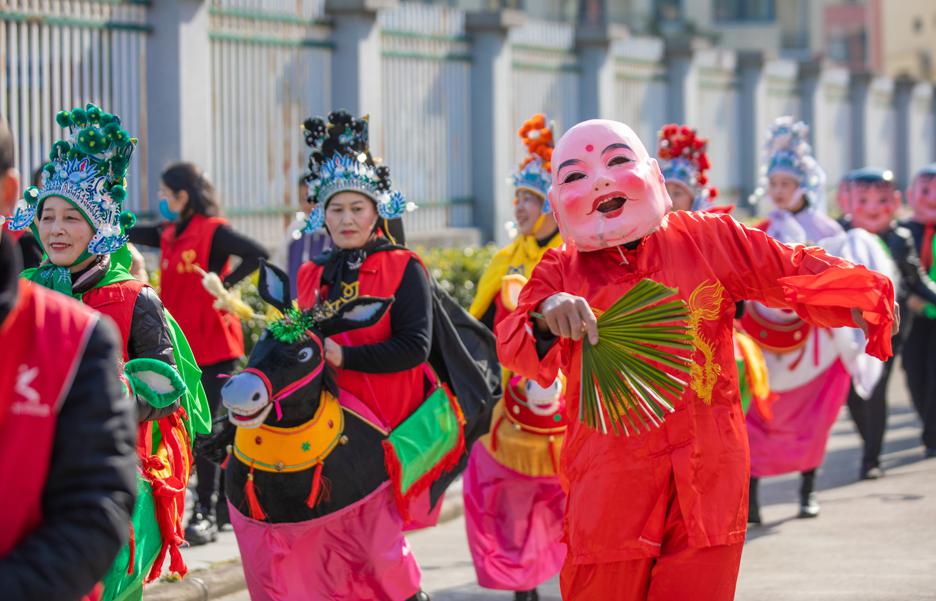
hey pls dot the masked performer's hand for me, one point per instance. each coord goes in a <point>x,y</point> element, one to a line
<point>568,316</point>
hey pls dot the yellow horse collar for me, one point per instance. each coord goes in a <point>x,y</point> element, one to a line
<point>272,449</point>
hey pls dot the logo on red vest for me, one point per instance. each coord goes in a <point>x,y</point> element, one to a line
<point>31,403</point>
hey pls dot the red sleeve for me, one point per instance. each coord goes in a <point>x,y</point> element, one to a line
<point>820,288</point>
<point>307,282</point>
<point>516,344</point>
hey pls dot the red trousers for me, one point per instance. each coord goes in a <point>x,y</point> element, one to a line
<point>680,572</point>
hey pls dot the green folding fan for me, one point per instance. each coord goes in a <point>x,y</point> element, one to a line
<point>640,366</point>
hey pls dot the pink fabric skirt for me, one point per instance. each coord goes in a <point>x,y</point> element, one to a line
<point>356,553</point>
<point>795,439</point>
<point>514,524</point>
<point>422,514</point>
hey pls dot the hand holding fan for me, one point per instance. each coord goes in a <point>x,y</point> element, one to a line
<point>639,366</point>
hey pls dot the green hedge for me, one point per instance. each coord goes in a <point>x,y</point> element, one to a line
<point>457,270</point>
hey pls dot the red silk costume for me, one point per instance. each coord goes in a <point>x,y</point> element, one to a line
<point>674,491</point>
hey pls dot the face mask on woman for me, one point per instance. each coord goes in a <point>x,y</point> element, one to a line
<point>164,210</point>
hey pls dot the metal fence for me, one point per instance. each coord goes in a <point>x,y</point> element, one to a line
<point>545,76</point>
<point>271,67</point>
<point>426,128</point>
<point>270,70</point>
<point>61,54</point>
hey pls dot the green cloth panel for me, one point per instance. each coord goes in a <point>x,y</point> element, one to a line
<point>194,400</point>
<point>425,438</point>
<point>118,585</point>
<point>743,385</point>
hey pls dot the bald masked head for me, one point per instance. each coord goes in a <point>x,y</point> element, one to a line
<point>606,189</point>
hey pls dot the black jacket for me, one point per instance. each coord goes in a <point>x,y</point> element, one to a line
<point>149,336</point>
<point>91,485</point>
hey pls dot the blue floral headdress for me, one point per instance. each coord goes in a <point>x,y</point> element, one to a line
<point>88,168</point>
<point>341,161</point>
<point>534,173</point>
<point>787,150</point>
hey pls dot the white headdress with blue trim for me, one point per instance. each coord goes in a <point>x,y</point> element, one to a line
<point>340,161</point>
<point>788,151</point>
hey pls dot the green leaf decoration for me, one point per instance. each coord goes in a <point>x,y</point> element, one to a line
<point>640,366</point>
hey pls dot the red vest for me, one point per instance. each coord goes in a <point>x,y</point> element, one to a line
<point>392,396</point>
<point>117,302</point>
<point>214,335</point>
<point>43,340</point>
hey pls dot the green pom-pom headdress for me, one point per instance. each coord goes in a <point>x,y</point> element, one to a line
<point>89,169</point>
<point>295,324</point>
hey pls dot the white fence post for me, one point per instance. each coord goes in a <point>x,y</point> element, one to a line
<point>178,89</point>
<point>597,98</point>
<point>356,61</point>
<point>858,85</point>
<point>751,90</point>
<point>492,135</point>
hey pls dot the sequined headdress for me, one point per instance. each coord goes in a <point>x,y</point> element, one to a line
<point>340,161</point>
<point>87,168</point>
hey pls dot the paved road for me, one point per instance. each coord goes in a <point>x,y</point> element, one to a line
<point>875,541</point>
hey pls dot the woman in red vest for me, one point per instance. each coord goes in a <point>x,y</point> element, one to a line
<point>382,365</point>
<point>66,433</point>
<point>77,215</point>
<point>194,239</point>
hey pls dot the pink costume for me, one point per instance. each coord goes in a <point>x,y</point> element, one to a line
<point>276,557</point>
<point>513,500</point>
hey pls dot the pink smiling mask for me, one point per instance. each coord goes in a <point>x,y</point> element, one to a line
<point>922,198</point>
<point>606,189</point>
<point>871,207</point>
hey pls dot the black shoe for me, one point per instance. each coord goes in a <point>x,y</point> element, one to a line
<point>420,596</point>
<point>809,506</point>
<point>753,514</point>
<point>201,530</point>
<point>930,452</point>
<point>531,595</point>
<point>871,473</point>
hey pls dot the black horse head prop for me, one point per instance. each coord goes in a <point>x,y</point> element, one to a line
<point>286,369</point>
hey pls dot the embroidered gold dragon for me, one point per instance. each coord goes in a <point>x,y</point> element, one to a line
<point>704,305</point>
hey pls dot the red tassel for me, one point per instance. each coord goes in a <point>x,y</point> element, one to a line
<point>321,488</point>
<point>552,455</point>
<point>224,463</point>
<point>256,511</point>
<point>132,550</point>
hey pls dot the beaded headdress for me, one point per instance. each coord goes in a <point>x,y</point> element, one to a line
<point>341,161</point>
<point>87,168</point>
